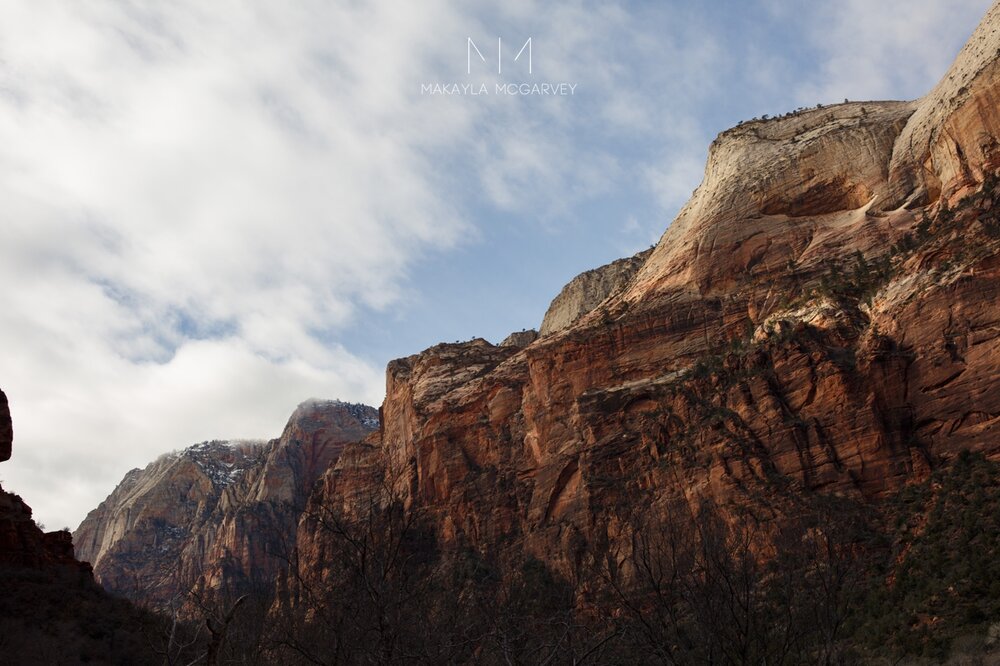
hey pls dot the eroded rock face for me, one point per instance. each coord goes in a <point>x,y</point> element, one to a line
<point>6,429</point>
<point>218,515</point>
<point>586,291</point>
<point>774,190</point>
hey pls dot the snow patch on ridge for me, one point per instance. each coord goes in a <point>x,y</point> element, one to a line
<point>365,414</point>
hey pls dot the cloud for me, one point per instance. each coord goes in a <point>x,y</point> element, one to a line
<point>196,199</point>
<point>896,49</point>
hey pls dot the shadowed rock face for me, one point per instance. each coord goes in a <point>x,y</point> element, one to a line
<point>6,429</point>
<point>217,515</point>
<point>51,611</point>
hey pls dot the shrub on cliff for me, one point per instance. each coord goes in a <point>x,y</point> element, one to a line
<point>943,572</point>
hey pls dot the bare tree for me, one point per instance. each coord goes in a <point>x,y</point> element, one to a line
<point>367,601</point>
<point>709,586</point>
<point>177,641</point>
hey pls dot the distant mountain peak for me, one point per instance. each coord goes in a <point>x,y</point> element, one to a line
<point>237,496</point>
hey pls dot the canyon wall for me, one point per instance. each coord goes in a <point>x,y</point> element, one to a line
<point>820,318</point>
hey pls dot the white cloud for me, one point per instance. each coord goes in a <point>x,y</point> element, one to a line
<point>894,49</point>
<point>674,179</point>
<point>196,198</point>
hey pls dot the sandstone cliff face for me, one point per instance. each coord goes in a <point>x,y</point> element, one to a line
<point>137,538</point>
<point>520,339</point>
<point>813,321</point>
<point>586,291</point>
<point>774,191</point>
<point>219,515</point>
<point>950,141</point>
<point>777,190</point>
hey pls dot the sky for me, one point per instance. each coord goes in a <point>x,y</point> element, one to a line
<point>211,212</point>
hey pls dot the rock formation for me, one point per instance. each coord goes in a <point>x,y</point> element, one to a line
<point>6,429</point>
<point>821,317</point>
<point>791,189</point>
<point>217,515</point>
<point>586,291</point>
<point>950,140</point>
